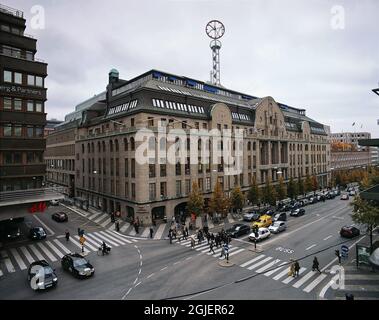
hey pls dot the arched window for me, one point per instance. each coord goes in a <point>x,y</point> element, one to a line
<point>126,144</point>
<point>132,144</point>
<point>249,146</point>
<point>152,143</point>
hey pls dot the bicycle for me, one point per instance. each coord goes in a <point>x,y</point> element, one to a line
<point>100,251</point>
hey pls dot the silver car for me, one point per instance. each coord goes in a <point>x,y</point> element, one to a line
<point>277,226</point>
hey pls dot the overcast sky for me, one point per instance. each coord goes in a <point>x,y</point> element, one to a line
<point>294,51</point>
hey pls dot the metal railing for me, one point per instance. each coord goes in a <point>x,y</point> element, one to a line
<point>12,11</point>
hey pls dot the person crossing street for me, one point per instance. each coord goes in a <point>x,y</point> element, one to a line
<point>151,232</point>
<point>193,242</point>
<point>211,245</point>
<point>67,235</point>
<point>315,265</point>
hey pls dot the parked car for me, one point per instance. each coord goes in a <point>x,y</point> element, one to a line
<point>330,195</point>
<point>262,233</point>
<point>59,216</point>
<point>251,216</point>
<point>270,212</point>
<point>238,230</point>
<point>337,192</point>
<point>282,216</point>
<point>77,265</point>
<point>9,231</point>
<point>313,200</point>
<point>352,193</point>
<point>345,196</point>
<point>297,212</point>
<point>304,202</point>
<point>49,279</point>
<point>277,227</point>
<point>285,208</point>
<point>54,202</point>
<point>37,233</point>
<point>349,232</point>
<point>263,222</point>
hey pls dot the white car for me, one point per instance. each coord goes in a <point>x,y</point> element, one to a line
<point>263,233</point>
<point>54,202</point>
<point>277,227</point>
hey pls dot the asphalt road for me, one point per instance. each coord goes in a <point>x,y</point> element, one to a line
<point>155,269</point>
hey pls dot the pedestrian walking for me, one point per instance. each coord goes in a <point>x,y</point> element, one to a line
<point>79,231</point>
<point>222,251</point>
<point>297,268</point>
<point>151,232</point>
<point>170,236</point>
<point>192,242</point>
<point>67,235</point>
<point>315,265</point>
<point>337,252</point>
<point>117,226</point>
<point>211,245</point>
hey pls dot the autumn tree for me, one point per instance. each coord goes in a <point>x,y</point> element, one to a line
<point>308,184</point>
<point>219,203</point>
<point>314,183</point>
<point>195,201</point>
<point>269,194</point>
<point>254,194</point>
<point>292,189</point>
<point>281,189</point>
<point>237,198</point>
<point>300,186</point>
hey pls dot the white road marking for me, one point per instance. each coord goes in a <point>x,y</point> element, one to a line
<point>267,266</point>
<point>231,220</point>
<point>36,252</point>
<point>259,263</point>
<point>177,262</point>
<point>97,234</point>
<point>140,263</point>
<point>125,226</point>
<point>61,236</point>
<point>104,216</point>
<point>150,275</point>
<point>106,222</point>
<point>159,232</point>
<point>140,256</point>
<point>134,240</point>
<point>8,263</point>
<point>138,284</point>
<point>132,232</point>
<point>252,260</point>
<point>47,252</point>
<point>40,221</point>
<point>86,244</point>
<point>27,254</point>
<point>95,240</point>
<point>18,259</point>
<point>92,217</point>
<point>269,273</point>
<point>281,274</point>
<point>92,241</point>
<point>304,279</point>
<point>310,247</point>
<point>78,245</point>
<point>202,246</point>
<point>112,238</point>
<point>188,258</point>
<point>328,237</point>
<point>236,252</point>
<point>145,232</point>
<point>163,268</point>
<point>290,278</point>
<point>139,271</point>
<point>135,280</point>
<point>62,246</point>
<point>118,236</point>
<point>230,250</point>
<point>57,252</point>
<point>314,283</point>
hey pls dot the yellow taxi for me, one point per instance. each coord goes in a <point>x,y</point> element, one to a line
<point>264,222</point>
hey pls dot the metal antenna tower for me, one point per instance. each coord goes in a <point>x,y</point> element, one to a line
<point>215,30</point>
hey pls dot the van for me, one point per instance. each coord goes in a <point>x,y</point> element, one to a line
<point>264,222</point>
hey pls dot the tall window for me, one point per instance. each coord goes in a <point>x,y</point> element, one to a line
<point>178,188</point>
<point>17,77</point>
<point>133,190</point>
<point>163,170</point>
<point>208,184</point>
<point>7,130</point>
<point>152,191</point>
<point>163,189</point>
<point>188,186</point>
<point>7,105</point>
<point>7,76</point>
<point>17,131</point>
<point>126,167</point>
<point>151,170</point>
<point>133,168</point>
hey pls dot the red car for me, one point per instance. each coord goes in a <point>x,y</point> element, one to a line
<point>349,232</point>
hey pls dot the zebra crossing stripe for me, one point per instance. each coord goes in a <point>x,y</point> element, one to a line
<point>92,242</point>
<point>94,216</point>
<point>95,240</point>
<point>269,273</point>
<point>230,250</point>
<point>62,246</point>
<point>259,263</point>
<point>291,278</point>
<point>314,283</point>
<point>106,222</point>
<point>27,254</point>
<point>125,227</point>
<point>18,259</point>
<point>282,274</point>
<point>102,218</point>
<point>134,240</point>
<point>86,244</point>
<point>252,260</point>
<point>78,245</point>
<point>118,236</point>
<point>36,252</point>
<point>132,232</point>
<point>47,252</point>
<point>267,266</point>
<point>1,273</point>
<point>201,246</point>
<point>57,252</point>
<point>105,239</point>
<point>236,252</point>
<point>159,232</point>
<point>304,279</point>
<point>183,242</point>
<point>8,262</point>
<point>145,232</point>
<point>112,237</point>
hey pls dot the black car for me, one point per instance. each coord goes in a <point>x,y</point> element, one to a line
<point>47,277</point>
<point>238,230</point>
<point>59,216</point>
<point>282,216</point>
<point>349,232</point>
<point>270,212</point>
<point>9,231</point>
<point>251,216</point>
<point>297,212</point>
<point>77,265</point>
<point>37,233</point>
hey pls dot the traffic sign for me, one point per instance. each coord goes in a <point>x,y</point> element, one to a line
<point>344,251</point>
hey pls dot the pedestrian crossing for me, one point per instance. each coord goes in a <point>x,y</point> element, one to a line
<point>52,250</point>
<point>269,266</point>
<point>160,231</point>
